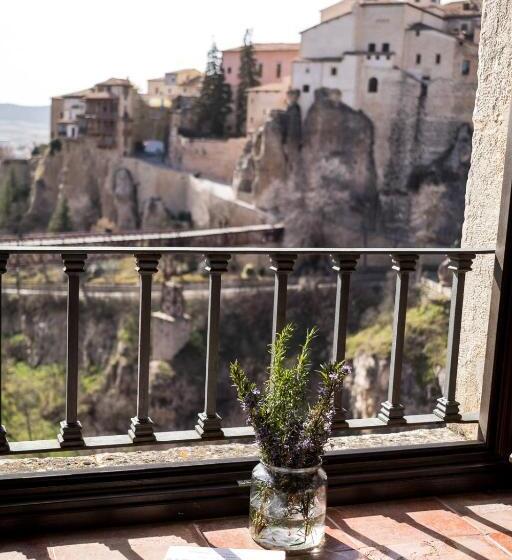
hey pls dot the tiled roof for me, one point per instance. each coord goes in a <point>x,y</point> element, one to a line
<point>81,93</point>
<point>116,82</point>
<point>263,47</point>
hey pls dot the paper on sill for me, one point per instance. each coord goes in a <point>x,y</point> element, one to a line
<point>205,553</point>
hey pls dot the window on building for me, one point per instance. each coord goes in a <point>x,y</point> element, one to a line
<point>373,85</point>
<point>417,32</point>
<point>371,47</point>
<point>278,70</point>
<point>385,47</point>
<point>377,57</point>
<point>260,69</point>
<point>466,67</point>
<point>418,59</point>
<point>334,71</point>
<point>466,6</point>
<point>305,88</point>
<point>464,27</point>
<point>228,70</point>
<point>438,59</point>
<point>307,70</point>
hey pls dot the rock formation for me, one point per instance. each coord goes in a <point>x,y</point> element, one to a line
<point>320,177</point>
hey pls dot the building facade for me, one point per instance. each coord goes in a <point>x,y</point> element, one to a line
<point>410,66</point>
<point>262,100</point>
<point>180,83</point>
<point>104,113</point>
<point>274,62</point>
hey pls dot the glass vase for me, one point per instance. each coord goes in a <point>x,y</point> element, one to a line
<point>287,507</point>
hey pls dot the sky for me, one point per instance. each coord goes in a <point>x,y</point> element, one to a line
<point>54,47</point>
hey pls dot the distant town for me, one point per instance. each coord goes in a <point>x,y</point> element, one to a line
<point>371,111</point>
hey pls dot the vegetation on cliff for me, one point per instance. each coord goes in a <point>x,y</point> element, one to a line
<point>425,340</point>
<point>14,198</point>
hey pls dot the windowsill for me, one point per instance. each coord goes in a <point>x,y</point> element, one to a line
<point>206,452</point>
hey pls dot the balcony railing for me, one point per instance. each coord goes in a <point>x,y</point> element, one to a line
<point>140,428</point>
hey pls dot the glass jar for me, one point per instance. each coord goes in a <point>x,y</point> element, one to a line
<point>287,507</point>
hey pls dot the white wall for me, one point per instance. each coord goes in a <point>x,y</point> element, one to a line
<point>329,39</point>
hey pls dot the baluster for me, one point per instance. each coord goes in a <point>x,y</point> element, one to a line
<point>4,444</point>
<point>209,422</point>
<point>392,411</point>
<point>141,427</point>
<point>70,429</point>
<point>447,407</point>
<point>281,265</point>
<point>343,265</point>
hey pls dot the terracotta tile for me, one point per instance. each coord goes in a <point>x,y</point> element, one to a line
<point>504,541</point>
<point>380,526</point>
<point>442,523</point>
<point>336,540</point>
<point>479,546</point>
<point>148,550</point>
<point>26,552</point>
<point>491,521</point>
<point>185,533</point>
<point>489,512</point>
<point>426,550</point>
<point>230,532</point>
<point>98,551</point>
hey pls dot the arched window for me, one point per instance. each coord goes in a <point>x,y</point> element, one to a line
<point>373,85</point>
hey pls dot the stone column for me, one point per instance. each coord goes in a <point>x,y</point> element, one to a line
<point>490,169</point>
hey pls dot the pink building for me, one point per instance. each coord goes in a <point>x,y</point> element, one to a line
<point>274,61</point>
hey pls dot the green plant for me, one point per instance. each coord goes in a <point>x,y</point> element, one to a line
<point>61,218</point>
<point>291,423</point>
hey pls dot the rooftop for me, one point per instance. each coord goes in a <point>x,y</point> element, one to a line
<point>77,94</point>
<point>264,47</point>
<point>124,82</point>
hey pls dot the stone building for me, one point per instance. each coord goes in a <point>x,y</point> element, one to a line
<point>410,66</point>
<point>104,113</point>
<point>262,100</point>
<point>274,62</point>
<point>180,83</point>
<point>68,111</point>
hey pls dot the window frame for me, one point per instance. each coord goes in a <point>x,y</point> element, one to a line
<point>218,487</point>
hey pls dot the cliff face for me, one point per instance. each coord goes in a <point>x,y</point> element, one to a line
<point>105,190</point>
<point>322,175</point>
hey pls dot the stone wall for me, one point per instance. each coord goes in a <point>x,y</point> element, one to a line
<point>103,188</point>
<point>210,158</point>
<point>488,168</point>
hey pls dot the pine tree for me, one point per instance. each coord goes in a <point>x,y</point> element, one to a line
<point>61,220</point>
<point>247,78</point>
<point>214,103</point>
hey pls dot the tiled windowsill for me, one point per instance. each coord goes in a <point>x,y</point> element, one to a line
<point>457,527</point>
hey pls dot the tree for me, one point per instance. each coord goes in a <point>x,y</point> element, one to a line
<point>61,219</point>
<point>247,78</point>
<point>214,103</point>
<point>13,202</point>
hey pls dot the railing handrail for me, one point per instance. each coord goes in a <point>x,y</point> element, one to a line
<point>282,260</point>
<point>70,238</point>
<point>56,249</point>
